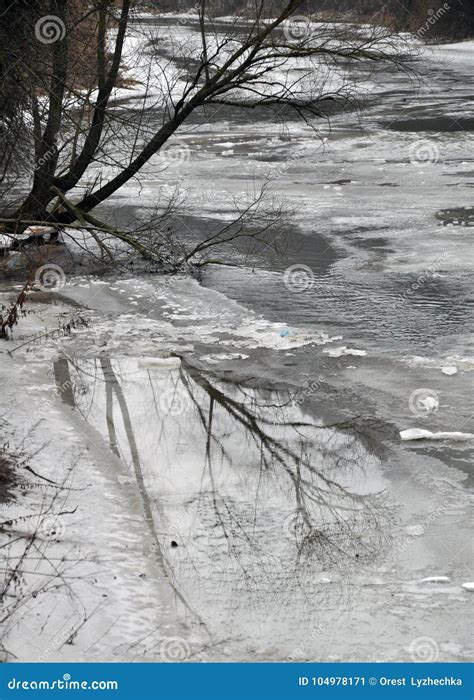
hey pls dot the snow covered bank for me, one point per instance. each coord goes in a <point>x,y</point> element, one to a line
<point>89,583</point>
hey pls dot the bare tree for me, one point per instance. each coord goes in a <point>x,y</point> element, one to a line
<point>85,148</point>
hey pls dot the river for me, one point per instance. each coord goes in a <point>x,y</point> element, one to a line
<point>288,518</point>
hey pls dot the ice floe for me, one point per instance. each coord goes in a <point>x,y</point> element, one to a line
<point>215,358</point>
<point>421,434</point>
<point>449,370</point>
<point>436,579</point>
<point>339,352</point>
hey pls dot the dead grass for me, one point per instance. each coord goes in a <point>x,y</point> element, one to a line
<point>6,477</point>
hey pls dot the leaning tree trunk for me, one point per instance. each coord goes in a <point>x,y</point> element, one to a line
<point>46,151</point>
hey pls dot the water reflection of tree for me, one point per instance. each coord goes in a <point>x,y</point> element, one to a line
<point>328,522</point>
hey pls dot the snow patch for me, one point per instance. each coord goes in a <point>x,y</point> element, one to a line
<point>339,352</point>
<point>215,358</point>
<point>435,579</point>
<point>449,370</point>
<point>421,434</point>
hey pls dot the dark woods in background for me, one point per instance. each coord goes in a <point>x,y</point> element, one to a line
<point>444,19</point>
<point>26,72</point>
<point>433,20</point>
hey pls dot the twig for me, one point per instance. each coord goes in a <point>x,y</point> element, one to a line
<point>12,317</point>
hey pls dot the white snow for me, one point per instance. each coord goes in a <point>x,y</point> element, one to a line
<point>430,403</point>
<point>435,579</point>
<point>461,46</point>
<point>215,358</point>
<point>449,370</point>
<point>421,434</point>
<point>339,352</point>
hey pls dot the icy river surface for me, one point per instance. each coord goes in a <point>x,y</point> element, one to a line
<point>283,515</point>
